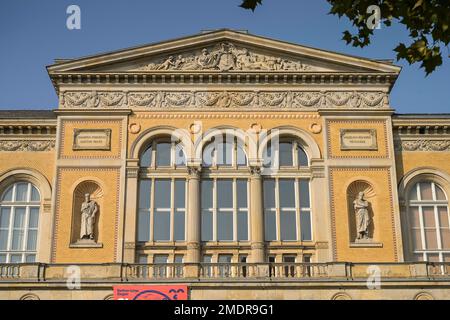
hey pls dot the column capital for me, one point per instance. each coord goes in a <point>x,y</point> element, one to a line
<point>255,170</point>
<point>194,171</point>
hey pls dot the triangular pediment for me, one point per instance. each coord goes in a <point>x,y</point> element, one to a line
<point>222,51</point>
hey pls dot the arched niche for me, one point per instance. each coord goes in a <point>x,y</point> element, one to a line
<point>96,194</point>
<point>353,191</point>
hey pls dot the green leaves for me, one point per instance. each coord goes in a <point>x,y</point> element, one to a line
<point>427,23</point>
<point>250,4</point>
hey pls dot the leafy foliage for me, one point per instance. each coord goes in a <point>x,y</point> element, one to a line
<point>427,22</point>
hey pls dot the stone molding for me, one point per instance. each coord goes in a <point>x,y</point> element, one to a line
<point>423,145</point>
<point>27,145</point>
<point>224,99</point>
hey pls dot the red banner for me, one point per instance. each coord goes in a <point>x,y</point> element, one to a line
<point>166,292</point>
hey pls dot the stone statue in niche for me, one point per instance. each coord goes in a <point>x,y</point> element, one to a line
<point>361,207</point>
<point>89,209</point>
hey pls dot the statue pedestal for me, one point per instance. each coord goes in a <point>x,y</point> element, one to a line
<point>86,243</point>
<point>365,243</point>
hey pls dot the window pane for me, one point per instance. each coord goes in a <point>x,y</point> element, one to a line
<point>269,193</point>
<point>225,193</point>
<point>443,217</point>
<point>15,258</point>
<point>305,225</point>
<point>162,193</point>
<point>21,191</point>
<point>161,228</point>
<point>7,196</point>
<point>428,217</point>
<point>414,215</point>
<point>242,227</point>
<point>413,193</point>
<point>2,258</point>
<point>178,258</point>
<point>285,154</point>
<point>208,153</point>
<point>270,226</point>
<point>146,157</point>
<point>287,225</point>
<point>4,217</point>
<point>304,193</point>
<point>144,226</point>
<point>143,258</point>
<point>163,153</point>
<point>430,238</point>
<point>180,159</point>
<point>19,217</point>
<point>34,194</point>
<point>224,225</point>
<point>34,217</point>
<point>32,239</point>
<point>3,239</point>
<point>287,193</point>
<point>160,258</point>
<point>30,258</point>
<point>207,193</point>
<point>180,193</point>
<point>17,240</point>
<point>241,190</point>
<point>145,194</point>
<point>224,153</point>
<point>302,157</point>
<point>207,226</point>
<point>433,257</point>
<point>440,195</point>
<point>179,226</point>
<point>241,158</point>
<point>418,257</point>
<point>207,259</point>
<point>417,239</point>
<point>425,191</point>
<point>225,258</point>
<point>445,237</point>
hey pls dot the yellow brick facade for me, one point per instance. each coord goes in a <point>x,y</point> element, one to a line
<point>133,97</point>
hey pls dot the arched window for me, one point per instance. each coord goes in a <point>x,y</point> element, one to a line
<point>284,154</point>
<point>287,207</point>
<point>224,151</point>
<point>429,222</point>
<point>224,191</point>
<point>19,220</point>
<point>163,153</point>
<point>162,192</point>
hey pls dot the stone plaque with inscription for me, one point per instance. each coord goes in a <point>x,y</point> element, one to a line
<point>359,139</point>
<point>92,139</point>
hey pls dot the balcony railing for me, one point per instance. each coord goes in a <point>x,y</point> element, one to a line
<point>114,272</point>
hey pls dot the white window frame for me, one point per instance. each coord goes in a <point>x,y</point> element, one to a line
<point>235,210</point>
<point>435,204</point>
<point>13,205</point>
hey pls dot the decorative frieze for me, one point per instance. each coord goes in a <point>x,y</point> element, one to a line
<point>225,99</point>
<point>422,145</point>
<point>27,145</point>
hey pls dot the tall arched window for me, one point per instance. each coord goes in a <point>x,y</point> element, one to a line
<point>224,191</point>
<point>287,207</point>
<point>162,192</point>
<point>19,220</point>
<point>429,222</point>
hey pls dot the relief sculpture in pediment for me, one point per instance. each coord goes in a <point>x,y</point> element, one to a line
<point>224,57</point>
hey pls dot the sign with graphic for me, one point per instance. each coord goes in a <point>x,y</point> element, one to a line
<point>165,292</point>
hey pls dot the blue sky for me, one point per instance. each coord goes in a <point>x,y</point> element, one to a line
<point>33,33</point>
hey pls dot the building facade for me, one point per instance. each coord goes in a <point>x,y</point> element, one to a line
<point>240,166</point>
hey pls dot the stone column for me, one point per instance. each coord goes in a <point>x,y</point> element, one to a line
<point>131,196</point>
<point>256,216</point>
<point>193,216</point>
